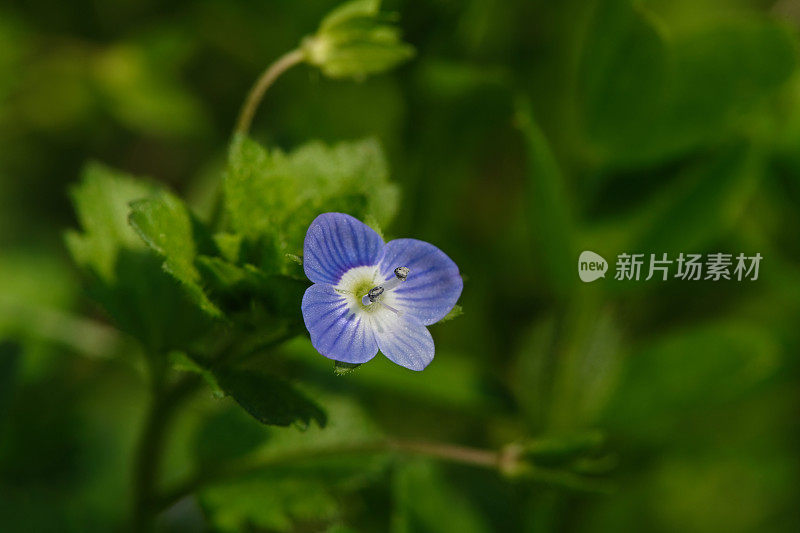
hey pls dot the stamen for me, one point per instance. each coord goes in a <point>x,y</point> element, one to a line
<point>400,273</point>
<point>389,307</point>
<point>372,295</point>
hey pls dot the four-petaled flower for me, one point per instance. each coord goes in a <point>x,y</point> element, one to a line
<point>369,296</point>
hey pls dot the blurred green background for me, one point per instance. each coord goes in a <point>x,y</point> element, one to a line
<point>521,134</point>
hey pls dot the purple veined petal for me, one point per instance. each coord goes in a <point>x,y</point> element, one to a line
<point>335,243</point>
<point>403,339</point>
<point>433,285</point>
<point>336,331</point>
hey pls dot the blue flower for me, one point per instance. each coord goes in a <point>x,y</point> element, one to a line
<point>369,296</point>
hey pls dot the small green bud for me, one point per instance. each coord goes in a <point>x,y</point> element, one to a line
<point>356,40</point>
<point>341,368</point>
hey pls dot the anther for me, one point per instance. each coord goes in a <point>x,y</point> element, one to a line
<point>400,275</point>
<point>374,292</point>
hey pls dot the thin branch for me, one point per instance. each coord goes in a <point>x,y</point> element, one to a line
<point>151,444</point>
<point>490,459</point>
<point>263,83</point>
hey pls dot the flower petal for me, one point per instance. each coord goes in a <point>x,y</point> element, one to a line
<point>432,287</point>
<point>335,243</point>
<point>403,339</point>
<point>336,331</point>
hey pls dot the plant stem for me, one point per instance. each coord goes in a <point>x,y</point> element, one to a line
<point>493,460</point>
<point>151,447</point>
<point>263,83</point>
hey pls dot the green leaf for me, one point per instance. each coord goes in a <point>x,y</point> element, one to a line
<point>644,97</point>
<point>125,275</point>
<point>355,41</point>
<point>621,77</point>
<point>451,382</point>
<point>166,225</point>
<point>268,504</point>
<point>299,485</point>
<point>706,365</point>
<point>349,11</point>
<point>229,245</point>
<point>455,312</point>
<point>269,399</point>
<point>183,363</point>
<point>272,198</point>
<point>426,501</point>
<point>143,91</point>
<point>227,435</point>
<point>699,206</point>
<point>548,205</point>
<point>101,203</point>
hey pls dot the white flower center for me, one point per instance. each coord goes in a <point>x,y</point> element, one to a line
<point>359,285</point>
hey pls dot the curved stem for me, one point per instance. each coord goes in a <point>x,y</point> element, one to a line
<point>263,83</point>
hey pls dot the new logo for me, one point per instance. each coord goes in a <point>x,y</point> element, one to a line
<point>591,266</point>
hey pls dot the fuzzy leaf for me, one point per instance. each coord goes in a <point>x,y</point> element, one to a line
<point>125,275</point>
<point>269,399</point>
<point>272,197</point>
<point>101,203</point>
<point>166,225</point>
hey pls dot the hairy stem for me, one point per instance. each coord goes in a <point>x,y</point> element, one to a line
<point>263,83</point>
<point>491,459</point>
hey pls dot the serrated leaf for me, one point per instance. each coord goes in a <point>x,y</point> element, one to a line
<point>269,399</point>
<point>166,225</point>
<point>125,275</point>
<point>272,197</point>
<point>101,203</point>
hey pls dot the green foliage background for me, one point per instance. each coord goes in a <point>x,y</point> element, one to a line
<point>519,134</point>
